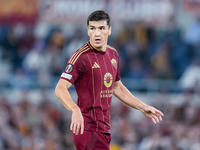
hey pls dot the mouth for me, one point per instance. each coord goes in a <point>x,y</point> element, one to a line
<point>97,40</point>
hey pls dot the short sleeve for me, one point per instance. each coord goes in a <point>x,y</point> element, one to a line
<point>72,70</point>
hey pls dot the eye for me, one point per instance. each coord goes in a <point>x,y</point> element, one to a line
<point>91,28</point>
<point>102,28</point>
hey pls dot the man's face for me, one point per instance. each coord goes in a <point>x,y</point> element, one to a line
<point>98,31</point>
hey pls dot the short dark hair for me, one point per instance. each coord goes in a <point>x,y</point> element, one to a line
<point>99,15</point>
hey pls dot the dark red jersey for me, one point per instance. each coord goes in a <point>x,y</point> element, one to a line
<point>93,74</point>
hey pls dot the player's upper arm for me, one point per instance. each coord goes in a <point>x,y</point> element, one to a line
<point>117,87</point>
<point>62,86</point>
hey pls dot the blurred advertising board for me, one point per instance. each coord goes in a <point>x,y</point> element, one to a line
<point>14,11</point>
<point>76,11</point>
<point>192,5</point>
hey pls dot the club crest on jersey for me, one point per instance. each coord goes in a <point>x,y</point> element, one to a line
<point>108,79</point>
<point>69,68</point>
<point>114,63</point>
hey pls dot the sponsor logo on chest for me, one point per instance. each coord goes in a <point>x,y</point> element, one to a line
<point>108,79</point>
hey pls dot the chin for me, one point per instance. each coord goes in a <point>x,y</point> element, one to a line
<point>97,46</point>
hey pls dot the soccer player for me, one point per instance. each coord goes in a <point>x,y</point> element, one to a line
<point>94,71</point>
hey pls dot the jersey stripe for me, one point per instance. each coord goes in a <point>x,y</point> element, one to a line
<point>79,55</point>
<point>72,57</point>
<point>107,88</point>
<point>93,93</point>
<point>101,88</point>
<point>111,63</point>
<point>76,53</point>
<point>90,45</point>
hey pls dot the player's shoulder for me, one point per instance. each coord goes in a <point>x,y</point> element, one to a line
<point>110,48</point>
<point>78,53</point>
<point>83,48</point>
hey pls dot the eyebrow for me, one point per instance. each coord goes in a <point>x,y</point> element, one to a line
<point>91,26</point>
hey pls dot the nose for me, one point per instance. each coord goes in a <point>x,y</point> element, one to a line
<point>97,32</point>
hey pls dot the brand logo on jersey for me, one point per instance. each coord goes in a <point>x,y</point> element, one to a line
<point>108,79</point>
<point>95,65</point>
<point>69,68</point>
<point>114,63</point>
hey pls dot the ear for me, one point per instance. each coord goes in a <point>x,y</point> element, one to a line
<point>88,31</point>
<point>109,30</point>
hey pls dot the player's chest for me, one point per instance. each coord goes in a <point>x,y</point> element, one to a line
<point>101,66</point>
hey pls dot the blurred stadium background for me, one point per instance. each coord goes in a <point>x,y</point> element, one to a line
<point>158,42</point>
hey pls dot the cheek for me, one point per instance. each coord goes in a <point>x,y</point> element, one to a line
<point>105,36</point>
<point>90,35</point>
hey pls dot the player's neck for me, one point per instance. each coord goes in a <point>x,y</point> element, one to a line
<point>100,49</point>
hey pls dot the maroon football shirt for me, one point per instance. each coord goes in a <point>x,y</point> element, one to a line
<point>93,74</point>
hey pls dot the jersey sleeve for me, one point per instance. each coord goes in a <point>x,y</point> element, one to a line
<point>73,70</point>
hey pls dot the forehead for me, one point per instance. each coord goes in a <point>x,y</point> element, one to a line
<point>98,23</point>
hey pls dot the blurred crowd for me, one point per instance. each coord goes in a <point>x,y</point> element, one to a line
<point>44,125</point>
<point>146,52</point>
<point>179,129</point>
